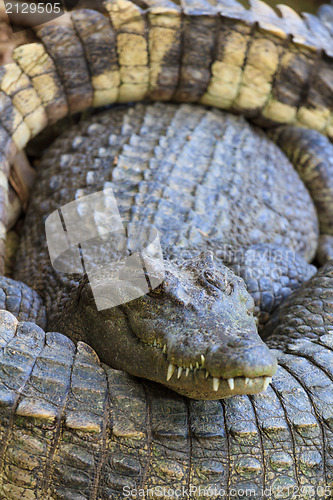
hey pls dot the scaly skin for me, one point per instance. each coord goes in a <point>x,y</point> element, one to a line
<point>72,428</point>
<point>276,422</point>
<point>221,54</point>
<point>195,175</point>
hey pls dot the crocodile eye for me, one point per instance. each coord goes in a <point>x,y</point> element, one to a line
<point>229,288</point>
<point>221,283</point>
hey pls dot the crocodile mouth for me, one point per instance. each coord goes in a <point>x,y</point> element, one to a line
<point>217,373</point>
<point>216,381</point>
<point>197,382</point>
<point>210,378</point>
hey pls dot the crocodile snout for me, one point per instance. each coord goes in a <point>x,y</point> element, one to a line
<point>195,334</point>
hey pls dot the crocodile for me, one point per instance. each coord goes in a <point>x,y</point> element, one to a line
<point>97,432</point>
<point>145,154</point>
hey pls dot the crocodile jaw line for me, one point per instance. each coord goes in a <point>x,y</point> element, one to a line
<point>218,387</point>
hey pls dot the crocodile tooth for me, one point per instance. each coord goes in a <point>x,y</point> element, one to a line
<point>171,371</point>
<point>155,343</point>
<point>191,366</point>
<point>202,360</point>
<point>231,383</point>
<point>267,381</point>
<point>247,380</point>
<point>207,374</point>
<point>216,384</point>
<point>187,371</point>
<point>164,349</point>
<point>179,371</point>
<point>197,365</point>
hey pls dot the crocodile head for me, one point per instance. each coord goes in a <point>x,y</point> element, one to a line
<point>194,333</point>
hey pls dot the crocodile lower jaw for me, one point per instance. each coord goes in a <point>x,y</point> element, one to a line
<point>196,382</point>
<point>216,381</point>
<point>215,387</point>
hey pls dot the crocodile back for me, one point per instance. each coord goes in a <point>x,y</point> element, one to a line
<point>195,174</point>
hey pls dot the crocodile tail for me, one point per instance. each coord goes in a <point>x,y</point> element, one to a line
<point>276,69</point>
<point>273,68</point>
